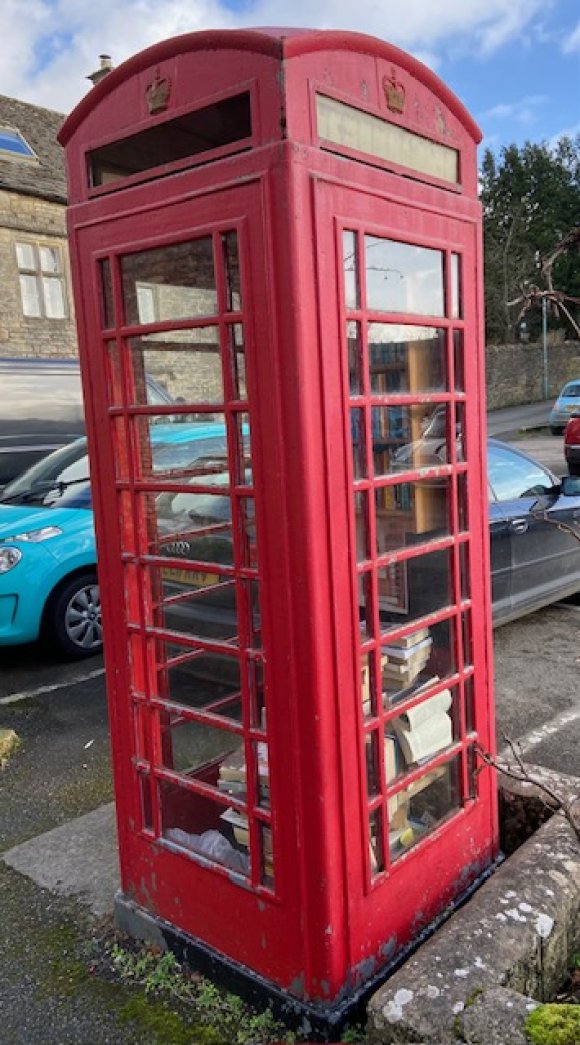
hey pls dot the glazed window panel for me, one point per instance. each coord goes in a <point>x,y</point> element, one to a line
<point>351,274</point>
<point>405,358</point>
<point>421,733</point>
<point>194,824</point>
<point>358,435</point>
<point>403,277</point>
<point>198,679</point>
<point>173,452</point>
<point>406,438</point>
<point>459,356</point>
<point>186,746</point>
<point>407,513</point>
<point>180,280</point>
<point>185,363</point>
<point>195,602</point>
<point>355,364</point>
<point>201,521</point>
<point>106,295</point>
<point>231,262</point>
<point>237,351</point>
<point>415,587</point>
<point>423,806</point>
<point>417,662</point>
<point>456,287</point>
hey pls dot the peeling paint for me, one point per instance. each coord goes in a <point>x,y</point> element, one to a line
<point>393,1011</point>
<point>458,1007</point>
<point>388,948</point>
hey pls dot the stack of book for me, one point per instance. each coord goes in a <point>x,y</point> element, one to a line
<point>232,775</point>
<point>403,660</point>
<point>232,779</point>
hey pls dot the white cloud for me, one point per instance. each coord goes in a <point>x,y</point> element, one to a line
<point>523,111</point>
<point>572,43</point>
<point>49,46</point>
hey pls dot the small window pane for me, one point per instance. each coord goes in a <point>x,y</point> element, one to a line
<point>49,259</point>
<point>232,272</point>
<point>195,602</point>
<point>366,603</point>
<point>195,824</point>
<point>459,360</point>
<point>359,456</point>
<point>351,277</point>
<point>456,303</point>
<point>427,803</point>
<point>422,732</point>
<point>376,855</point>
<point>200,523</point>
<point>372,763</point>
<point>187,363</point>
<point>406,438</point>
<point>363,543</point>
<point>197,679</point>
<point>416,587</point>
<point>238,360</point>
<point>418,661</point>
<point>53,298</point>
<point>402,277</point>
<point>25,256</point>
<point>180,276</point>
<point>181,453</point>
<point>406,359</point>
<point>354,344</point>
<point>409,512</point>
<point>30,296</point>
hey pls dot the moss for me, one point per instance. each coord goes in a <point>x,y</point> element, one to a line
<point>554,1025</point>
<point>157,1023</point>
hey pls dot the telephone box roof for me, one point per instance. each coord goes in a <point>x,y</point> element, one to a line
<point>281,43</point>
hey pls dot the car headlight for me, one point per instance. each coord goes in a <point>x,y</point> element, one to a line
<point>9,558</point>
<point>35,536</point>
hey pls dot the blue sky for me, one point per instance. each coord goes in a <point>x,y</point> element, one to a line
<point>514,63</point>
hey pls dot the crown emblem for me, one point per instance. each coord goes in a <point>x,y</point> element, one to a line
<point>157,93</point>
<point>394,92</point>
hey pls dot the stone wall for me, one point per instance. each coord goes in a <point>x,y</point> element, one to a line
<point>31,219</point>
<point>515,373</point>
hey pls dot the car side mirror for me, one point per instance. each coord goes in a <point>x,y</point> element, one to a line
<point>571,486</point>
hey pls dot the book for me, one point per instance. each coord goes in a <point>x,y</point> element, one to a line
<point>410,640</point>
<point>435,705</point>
<point>425,740</point>
<point>404,654</point>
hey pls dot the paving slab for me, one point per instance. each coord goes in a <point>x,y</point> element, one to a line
<point>78,859</point>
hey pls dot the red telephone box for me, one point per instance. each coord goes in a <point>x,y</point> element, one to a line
<point>281,227</point>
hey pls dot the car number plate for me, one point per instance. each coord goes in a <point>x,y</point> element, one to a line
<point>193,578</point>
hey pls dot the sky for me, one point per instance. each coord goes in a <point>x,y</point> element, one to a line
<point>515,64</point>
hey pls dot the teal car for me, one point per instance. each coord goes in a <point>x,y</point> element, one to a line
<point>48,559</point>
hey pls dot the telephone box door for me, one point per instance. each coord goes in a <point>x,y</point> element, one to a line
<point>415,524</point>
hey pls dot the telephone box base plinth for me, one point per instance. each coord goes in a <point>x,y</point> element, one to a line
<point>326,1022</point>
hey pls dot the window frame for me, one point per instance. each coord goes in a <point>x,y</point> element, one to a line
<point>42,276</point>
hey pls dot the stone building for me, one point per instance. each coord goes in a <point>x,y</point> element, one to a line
<point>36,306</point>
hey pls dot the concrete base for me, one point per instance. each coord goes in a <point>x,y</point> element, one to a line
<point>518,933</point>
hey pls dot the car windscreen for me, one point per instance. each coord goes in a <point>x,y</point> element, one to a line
<point>571,391</point>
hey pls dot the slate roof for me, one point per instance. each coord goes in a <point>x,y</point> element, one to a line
<point>44,177</point>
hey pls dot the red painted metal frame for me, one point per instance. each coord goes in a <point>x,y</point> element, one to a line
<point>328,923</point>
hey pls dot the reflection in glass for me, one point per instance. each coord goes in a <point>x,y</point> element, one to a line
<point>424,805</point>
<point>197,679</point>
<point>409,437</point>
<point>186,746</point>
<point>172,282</point>
<point>266,855</point>
<point>243,451</point>
<point>251,595</point>
<point>456,310</point>
<point>361,509</point>
<point>372,763</point>
<point>359,456</point>
<point>404,358</point>
<point>238,360</point>
<point>257,694</point>
<point>406,512</point>
<point>415,587</point>
<point>232,272</point>
<point>354,345</point>
<point>459,360</point>
<point>402,277</point>
<point>196,602</point>
<point>107,304</point>
<point>195,526</point>
<point>178,453</point>
<point>376,855</point>
<point>351,278</point>
<point>185,363</point>
<point>367,623</point>
<point>368,684</point>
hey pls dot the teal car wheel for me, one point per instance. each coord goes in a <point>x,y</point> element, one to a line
<point>72,621</point>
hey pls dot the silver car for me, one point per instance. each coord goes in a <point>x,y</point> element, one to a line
<point>567,403</point>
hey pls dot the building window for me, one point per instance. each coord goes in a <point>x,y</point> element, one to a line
<point>12,143</point>
<point>41,275</point>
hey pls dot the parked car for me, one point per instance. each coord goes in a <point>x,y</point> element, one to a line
<point>48,580</point>
<point>41,409</point>
<point>567,403</point>
<point>572,444</point>
<point>48,560</point>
